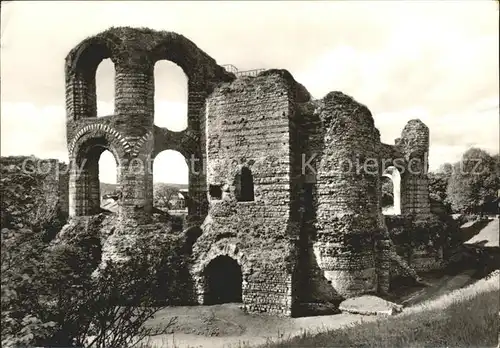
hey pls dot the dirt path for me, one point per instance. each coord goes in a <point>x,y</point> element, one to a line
<point>256,331</point>
<point>228,326</point>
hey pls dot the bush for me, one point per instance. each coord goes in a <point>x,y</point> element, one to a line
<point>469,323</point>
<point>51,294</point>
<point>54,297</point>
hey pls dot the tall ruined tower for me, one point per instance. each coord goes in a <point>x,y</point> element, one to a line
<point>340,231</point>
<point>253,171</point>
<point>130,134</point>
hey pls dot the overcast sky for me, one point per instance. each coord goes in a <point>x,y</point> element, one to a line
<point>437,61</point>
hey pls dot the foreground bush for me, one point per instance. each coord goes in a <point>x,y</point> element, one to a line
<point>51,295</point>
<point>467,323</point>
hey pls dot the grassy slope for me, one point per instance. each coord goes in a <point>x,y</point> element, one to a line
<point>108,188</point>
<point>463,319</point>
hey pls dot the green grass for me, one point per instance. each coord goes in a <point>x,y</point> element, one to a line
<point>472,322</point>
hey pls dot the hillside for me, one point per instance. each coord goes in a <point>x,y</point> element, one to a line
<point>108,188</point>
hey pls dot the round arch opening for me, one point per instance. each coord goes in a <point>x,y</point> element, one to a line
<point>223,281</point>
<point>86,194</point>
<point>170,182</point>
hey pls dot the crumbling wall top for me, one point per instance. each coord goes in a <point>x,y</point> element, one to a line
<point>346,111</point>
<point>266,80</point>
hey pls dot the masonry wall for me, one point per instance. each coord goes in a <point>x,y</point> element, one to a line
<point>248,125</point>
<point>310,232</point>
<point>55,183</point>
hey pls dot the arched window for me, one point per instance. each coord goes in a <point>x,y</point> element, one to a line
<point>391,186</point>
<point>105,88</point>
<point>108,178</point>
<point>170,180</point>
<point>244,185</point>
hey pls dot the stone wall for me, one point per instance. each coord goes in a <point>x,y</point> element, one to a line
<point>414,145</point>
<point>346,196</point>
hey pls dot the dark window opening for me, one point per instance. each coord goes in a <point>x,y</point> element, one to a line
<point>215,191</point>
<point>244,185</point>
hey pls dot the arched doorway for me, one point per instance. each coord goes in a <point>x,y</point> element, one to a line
<point>85,184</point>
<point>223,281</point>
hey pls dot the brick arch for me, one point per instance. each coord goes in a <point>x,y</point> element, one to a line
<point>87,55</point>
<point>183,52</point>
<point>115,140</point>
<point>185,142</point>
<point>141,143</point>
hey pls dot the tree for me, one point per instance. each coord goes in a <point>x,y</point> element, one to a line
<point>474,181</point>
<point>50,292</point>
<point>55,298</point>
<point>163,195</point>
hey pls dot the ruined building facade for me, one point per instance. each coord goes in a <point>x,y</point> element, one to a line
<point>285,189</point>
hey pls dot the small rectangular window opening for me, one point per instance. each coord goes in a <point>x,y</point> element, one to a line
<point>215,191</point>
